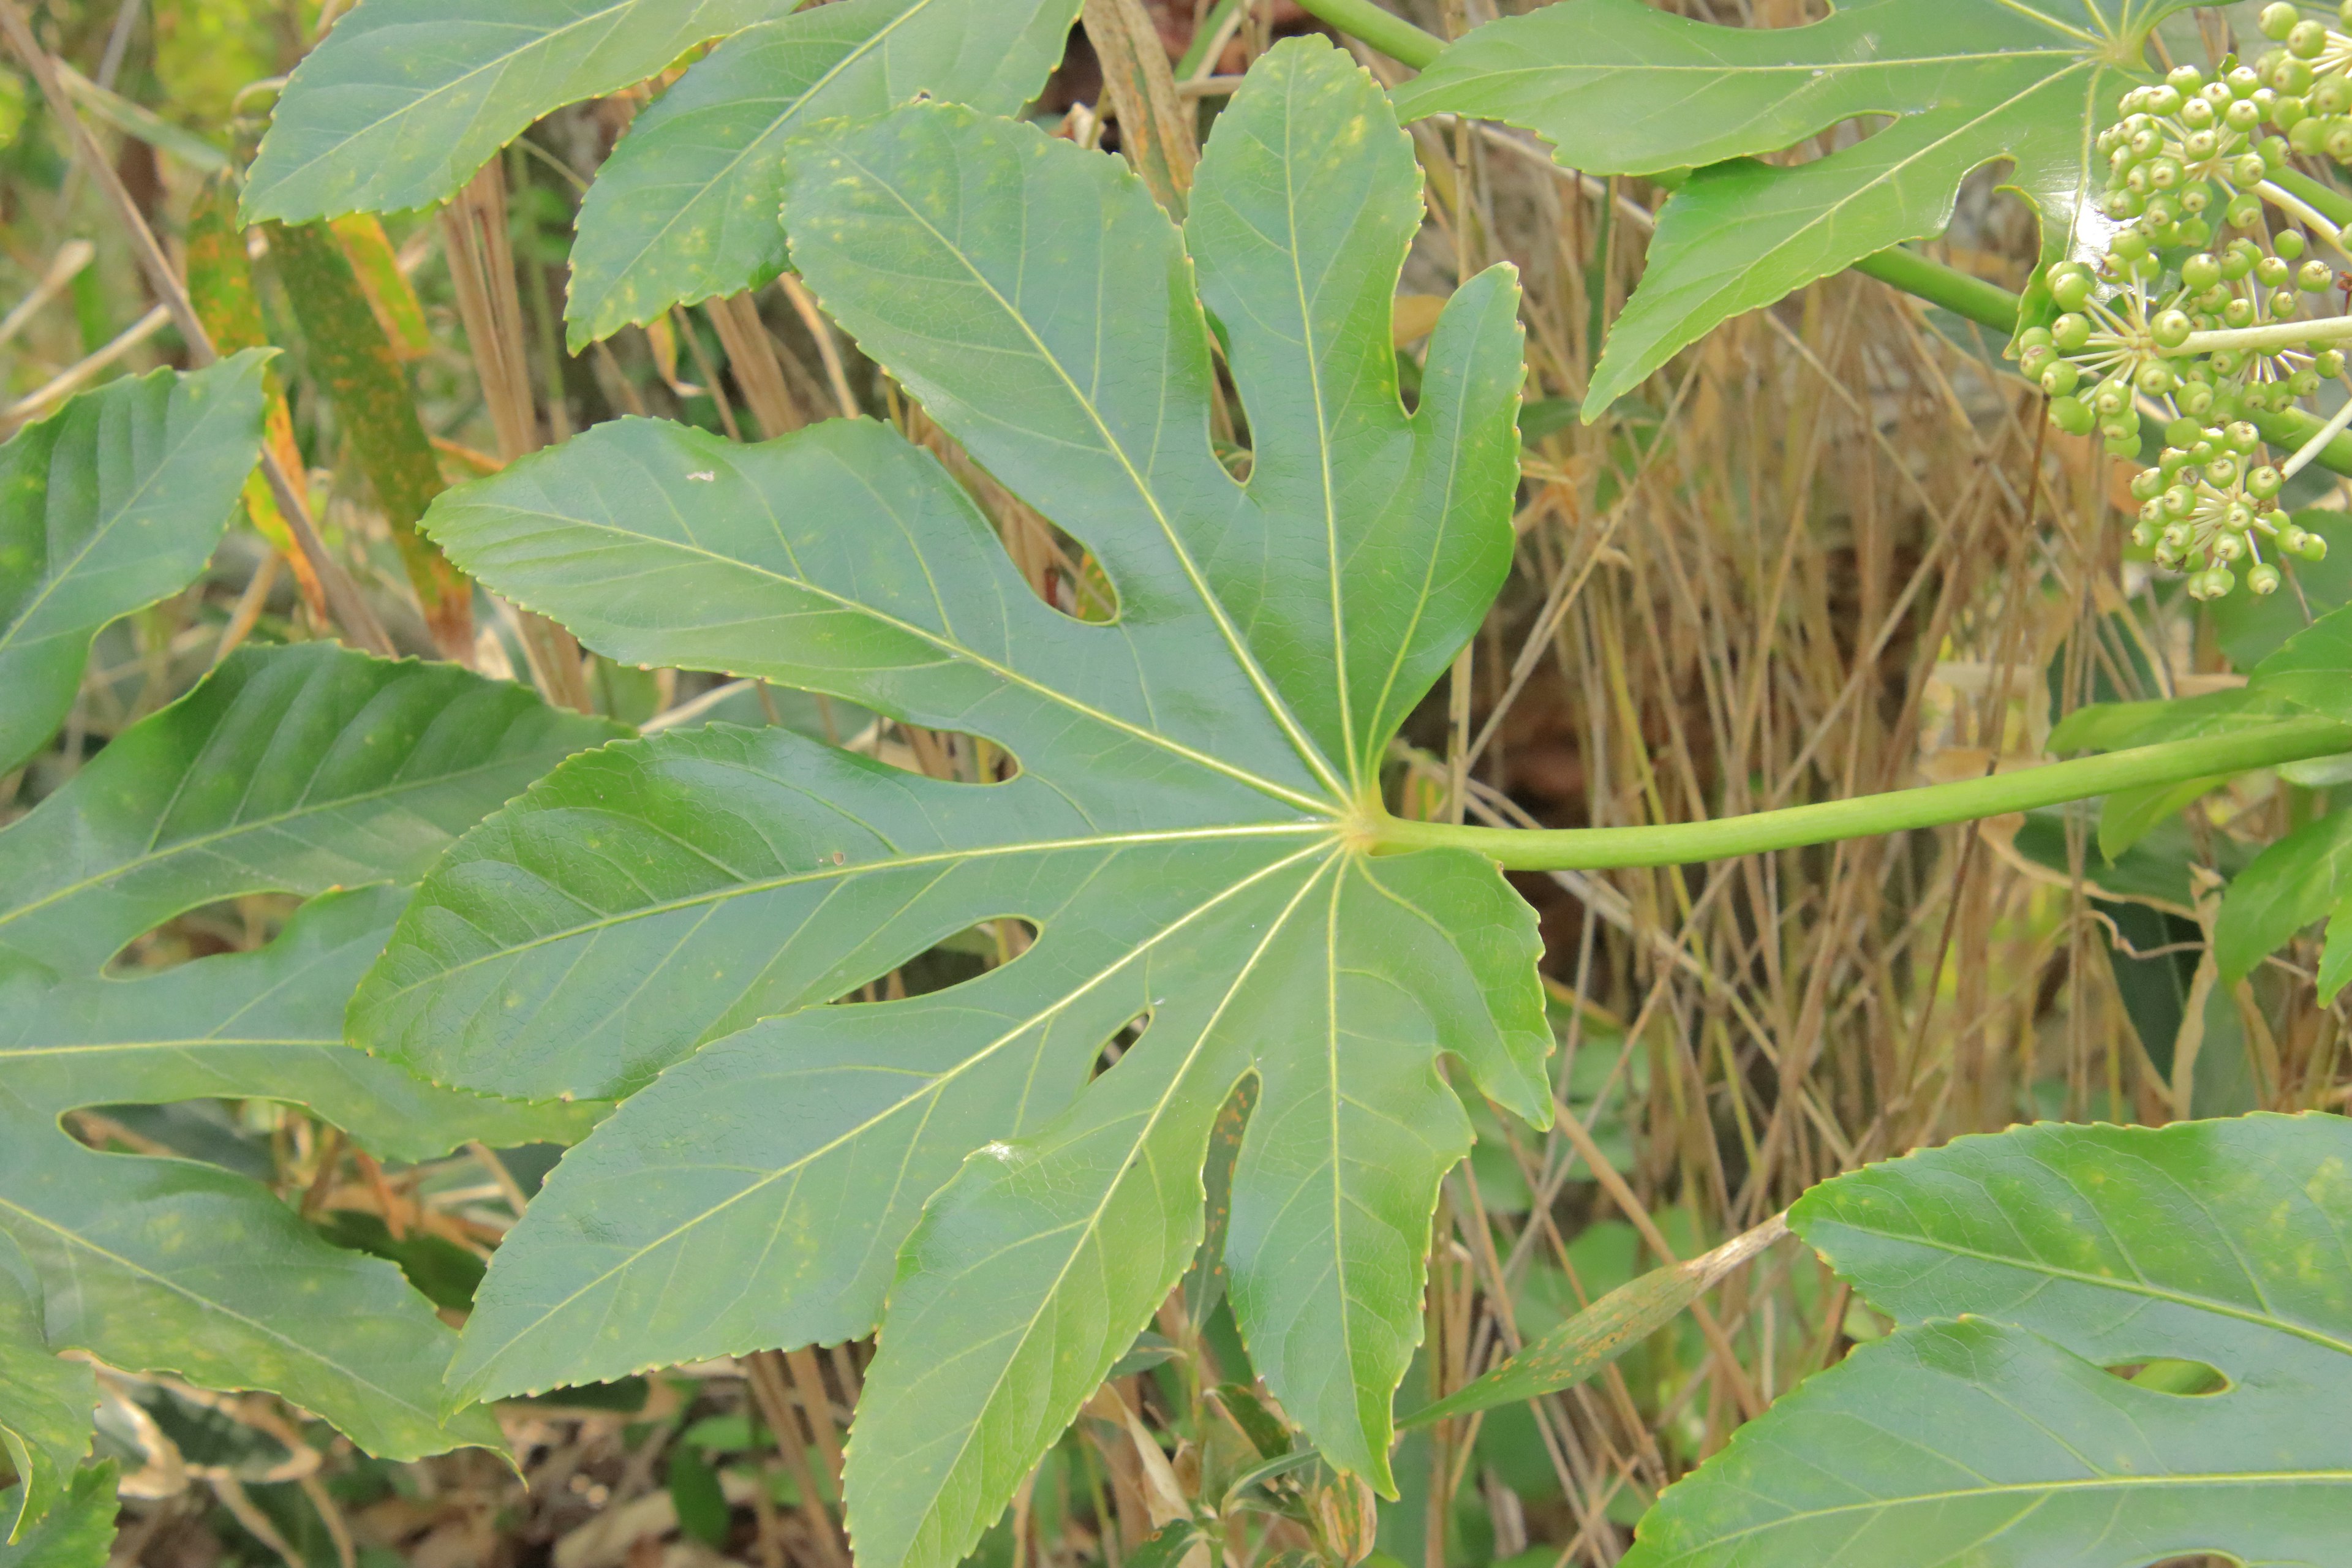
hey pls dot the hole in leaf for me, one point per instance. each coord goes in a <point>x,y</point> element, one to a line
<point>1121,1043</point>
<point>2165,1375</point>
<point>1057,567</point>
<point>967,955</point>
<point>233,925</point>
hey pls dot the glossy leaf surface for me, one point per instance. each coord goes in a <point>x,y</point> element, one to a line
<point>686,208</point>
<point>401,104</point>
<point>114,502</point>
<point>1180,830</point>
<point>288,770</point>
<point>45,1401</point>
<point>1621,87</point>
<point>2071,1249</point>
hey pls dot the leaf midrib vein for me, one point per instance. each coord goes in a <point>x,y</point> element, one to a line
<point>1178,1080</point>
<point>955,652</point>
<point>1276,708</point>
<point>705,187</point>
<point>824,873</point>
<point>934,1083</point>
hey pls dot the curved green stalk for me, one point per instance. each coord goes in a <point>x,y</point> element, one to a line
<point>1936,806</point>
<point>1384,30</point>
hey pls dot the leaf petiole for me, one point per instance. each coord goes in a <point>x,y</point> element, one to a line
<point>2278,335</point>
<point>1935,805</point>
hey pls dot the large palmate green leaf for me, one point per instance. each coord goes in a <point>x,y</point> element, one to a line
<point>1185,829</point>
<point>407,98</point>
<point>44,1402</point>
<point>288,770</point>
<point>1998,1437</point>
<point>686,207</point>
<point>113,502</point>
<point>1621,87</point>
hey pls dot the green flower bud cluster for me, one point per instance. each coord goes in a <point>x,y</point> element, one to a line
<point>2188,151</point>
<point>2199,314</point>
<point>2103,354</point>
<point>2310,79</point>
<point>2209,504</point>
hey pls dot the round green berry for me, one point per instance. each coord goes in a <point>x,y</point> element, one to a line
<point>2333,95</point>
<point>2073,416</point>
<point>2315,276</point>
<point>2306,135</point>
<point>2262,482</point>
<point>2278,19</point>
<point>2071,332</point>
<point>2062,378</point>
<point>2289,244</point>
<point>2263,579</point>
<point>2306,39</point>
<point>2241,436</point>
<point>2314,548</point>
<point>2329,363</point>
<point>2244,212</point>
<point>2170,328</point>
<point>2181,432</point>
<point>2071,284</point>
<point>2286,112</point>
<point>2337,143</point>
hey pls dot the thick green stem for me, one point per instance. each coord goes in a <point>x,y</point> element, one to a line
<point>1384,30</point>
<point>2277,336</point>
<point>1603,849</point>
<point>1987,304</point>
<point>2325,200</point>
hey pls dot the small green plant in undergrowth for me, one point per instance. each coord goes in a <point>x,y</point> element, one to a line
<point>1240,971</point>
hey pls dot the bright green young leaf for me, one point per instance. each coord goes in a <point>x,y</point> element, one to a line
<point>405,99</point>
<point>2314,670</point>
<point>1182,830</point>
<point>293,770</point>
<point>1619,87</point>
<point>686,207</point>
<point>45,1401</point>
<point>2000,1438</point>
<point>2129,815</point>
<point>77,1533</point>
<point>2304,877</point>
<point>113,502</point>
